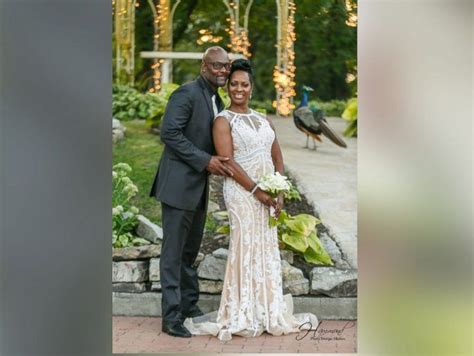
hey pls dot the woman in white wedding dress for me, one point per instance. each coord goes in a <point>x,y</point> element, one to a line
<point>252,299</point>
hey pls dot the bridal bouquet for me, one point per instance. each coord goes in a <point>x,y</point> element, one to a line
<point>274,184</point>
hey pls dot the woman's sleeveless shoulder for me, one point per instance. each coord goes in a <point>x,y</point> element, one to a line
<point>226,115</point>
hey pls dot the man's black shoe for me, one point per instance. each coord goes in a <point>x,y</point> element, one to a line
<point>176,329</point>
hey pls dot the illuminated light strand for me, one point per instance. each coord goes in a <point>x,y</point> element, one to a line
<point>239,41</point>
<point>284,75</point>
<point>352,19</point>
<point>160,21</point>
<point>207,37</point>
<point>124,26</point>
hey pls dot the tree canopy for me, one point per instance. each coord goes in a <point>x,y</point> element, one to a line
<point>325,47</point>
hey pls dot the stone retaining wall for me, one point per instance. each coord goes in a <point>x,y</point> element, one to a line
<point>136,270</point>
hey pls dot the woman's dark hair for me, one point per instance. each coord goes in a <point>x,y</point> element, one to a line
<point>243,65</point>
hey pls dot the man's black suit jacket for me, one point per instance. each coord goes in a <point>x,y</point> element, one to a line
<point>186,131</point>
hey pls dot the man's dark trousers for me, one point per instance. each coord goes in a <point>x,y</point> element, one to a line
<point>182,235</point>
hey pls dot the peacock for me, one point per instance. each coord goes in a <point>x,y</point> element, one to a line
<point>313,123</point>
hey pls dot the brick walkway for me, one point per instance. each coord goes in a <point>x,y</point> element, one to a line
<point>143,335</point>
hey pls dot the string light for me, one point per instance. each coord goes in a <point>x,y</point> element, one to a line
<point>352,13</point>
<point>284,75</point>
<point>207,37</point>
<point>162,13</point>
<point>239,40</point>
<point>124,14</point>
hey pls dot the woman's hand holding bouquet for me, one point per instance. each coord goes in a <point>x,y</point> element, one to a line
<point>277,186</point>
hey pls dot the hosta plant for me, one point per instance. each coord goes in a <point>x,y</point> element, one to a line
<point>295,233</point>
<point>299,234</point>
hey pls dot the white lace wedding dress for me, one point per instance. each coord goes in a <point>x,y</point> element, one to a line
<point>252,299</point>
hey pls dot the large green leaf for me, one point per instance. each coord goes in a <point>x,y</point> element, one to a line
<point>303,223</point>
<point>281,219</point>
<point>316,253</point>
<point>224,96</point>
<point>139,241</point>
<point>222,213</point>
<point>123,240</point>
<point>224,229</point>
<point>351,129</point>
<point>350,113</point>
<point>296,241</point>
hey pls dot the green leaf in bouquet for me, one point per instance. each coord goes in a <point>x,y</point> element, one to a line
<point>273,222</point>
<point>293,194</point>
<point>281,219</point>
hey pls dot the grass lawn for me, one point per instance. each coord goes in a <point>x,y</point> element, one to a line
<point>142,151</point>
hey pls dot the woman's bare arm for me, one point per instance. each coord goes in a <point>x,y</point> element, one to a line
<point>224,146</point>
<point>277,156</point>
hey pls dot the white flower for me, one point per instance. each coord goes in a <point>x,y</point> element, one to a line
<point>134,210</point>
<point>127,215</point>
<point>122,166</point>
<point>274,183</point>
<point>114,174</point>
<point>126,180</point>
<point>130,188</point>
<point>119,209</point>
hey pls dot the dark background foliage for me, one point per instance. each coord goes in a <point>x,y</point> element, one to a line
<point>325,47</point>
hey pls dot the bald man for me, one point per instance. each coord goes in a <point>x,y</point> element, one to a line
<point>182,183</point>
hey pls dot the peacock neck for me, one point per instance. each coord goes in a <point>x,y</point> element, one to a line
<point>304,100</point>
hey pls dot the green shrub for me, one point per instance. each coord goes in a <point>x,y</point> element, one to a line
<point>330,108</point>
<point>166,90</point>
<point>263,106</point>
<point>130,104</point>
<point>350,115</point>
<point>163,95</point>
<point>124,215</point>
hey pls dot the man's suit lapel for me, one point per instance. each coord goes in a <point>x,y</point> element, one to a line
<point>207,97</point>
<point>220,103</point>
